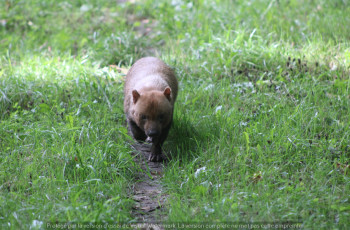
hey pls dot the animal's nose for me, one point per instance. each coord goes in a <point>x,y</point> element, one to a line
<point>153,133</point>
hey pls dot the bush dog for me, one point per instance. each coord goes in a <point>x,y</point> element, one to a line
<point>149,95</point>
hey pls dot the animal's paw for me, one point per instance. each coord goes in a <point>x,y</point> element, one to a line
<point>149,139</point>
<point>156,157</point>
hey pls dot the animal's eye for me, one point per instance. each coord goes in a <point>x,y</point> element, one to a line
<point>143,117</point>
<point>161,117</point>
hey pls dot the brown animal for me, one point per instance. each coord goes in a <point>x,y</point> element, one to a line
<point>149,95</point>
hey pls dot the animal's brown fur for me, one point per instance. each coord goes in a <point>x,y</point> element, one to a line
<point>150,92</point>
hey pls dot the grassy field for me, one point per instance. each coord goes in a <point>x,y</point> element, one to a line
<point>261,129</point>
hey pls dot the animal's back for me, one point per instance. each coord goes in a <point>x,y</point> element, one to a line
<point>149,73</point>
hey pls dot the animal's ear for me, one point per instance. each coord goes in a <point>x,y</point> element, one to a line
<point>135,95</point>
<point>167,93</point>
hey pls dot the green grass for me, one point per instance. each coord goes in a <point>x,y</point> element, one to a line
<point>64,155</point>
<point>261,129</point>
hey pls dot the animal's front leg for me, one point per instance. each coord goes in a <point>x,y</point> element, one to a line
<point>137,133</point>
<point>156,149</point>
<point>156,152</point>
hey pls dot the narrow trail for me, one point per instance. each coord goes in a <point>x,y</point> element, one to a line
<point>147,191</point>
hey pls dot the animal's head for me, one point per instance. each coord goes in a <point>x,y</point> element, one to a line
<point>152,111</point>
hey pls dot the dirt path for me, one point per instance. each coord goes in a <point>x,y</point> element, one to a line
<point>148,191</point>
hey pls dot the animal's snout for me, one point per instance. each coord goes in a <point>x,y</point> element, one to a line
<point>152,133</point>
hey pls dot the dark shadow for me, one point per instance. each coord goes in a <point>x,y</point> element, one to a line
<point>183,140</point>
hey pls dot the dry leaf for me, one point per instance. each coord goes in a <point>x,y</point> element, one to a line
<point>119,69</point>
